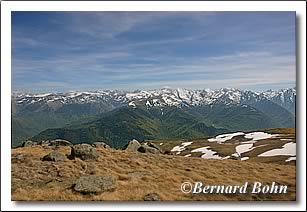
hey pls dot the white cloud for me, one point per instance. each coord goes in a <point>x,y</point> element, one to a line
<point>106,25</point>
<point>98,56</point>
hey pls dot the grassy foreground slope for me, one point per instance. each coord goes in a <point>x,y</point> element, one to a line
<point>138,174</point>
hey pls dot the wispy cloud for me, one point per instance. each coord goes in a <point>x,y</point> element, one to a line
<point>135,50</point>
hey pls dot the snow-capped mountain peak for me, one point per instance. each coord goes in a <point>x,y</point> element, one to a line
<point>161,97</point>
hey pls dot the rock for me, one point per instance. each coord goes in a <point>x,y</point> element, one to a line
<point>133,146</point>
<point>84,152</point>
<point>152,197</point>
<point>44,143</point>
<point>167,152</point>
<point>28,143</point>
<point>155,146</point>
<point>234,158</point>
<point>60,142</point>
<point>95,184</point>
<point>54,156</point>
<point>152,150</point>
<point>147,149</point>
<point>100,145</point>
<point>18,158</point>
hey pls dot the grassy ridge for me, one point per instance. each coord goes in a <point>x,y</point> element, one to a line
<point>119,126</point>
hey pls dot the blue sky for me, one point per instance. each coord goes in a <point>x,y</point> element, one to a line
<point>65,51</point>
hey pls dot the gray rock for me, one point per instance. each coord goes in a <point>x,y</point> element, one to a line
<point>84,152</point>
<point>60,142</point>
<point>147,149</point>
<point>28,143</point>
<point>18,158</point>
<point>152,197</point>
<point>152,150</point>
<point>95,184</point>
<point>167,152</point>
<point>155,146</point>
<point>133,146</point>
<point>100,145</point>
<point>44,143</point>
<point>54,156</point>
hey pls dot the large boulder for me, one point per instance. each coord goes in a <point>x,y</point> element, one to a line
<point>95,184</point>
<point>28,143</point>
<point>60,142</point>
<point>84,152</point>
<point>54,156</point>
<point>152,197</point>
<point>133,146</point>
<point>155,146</point>
<point>100,144</point>
<point>147,149</point>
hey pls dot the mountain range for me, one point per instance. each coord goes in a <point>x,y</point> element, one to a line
<point>116,117</point>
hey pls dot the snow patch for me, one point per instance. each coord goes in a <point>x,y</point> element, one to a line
<point>207,153</point>
<point>256,136</point>
<point>132,104</point>
<point>288,149</point>
<point>290,159</point>
<point>148,103</point>
<point>72,95</point>
<point>42,95</point>
<point>181,147</point>
<point>244,148</point>
<point>224,137</point>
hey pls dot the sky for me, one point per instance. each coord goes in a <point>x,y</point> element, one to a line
<point>89,51</point>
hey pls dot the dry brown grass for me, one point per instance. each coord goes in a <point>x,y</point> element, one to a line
<point>138,174</point>
<point>282,130</point>
<point>229,147</point>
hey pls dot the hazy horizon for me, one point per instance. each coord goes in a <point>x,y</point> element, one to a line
<point>88,51</point>
<point>136,90</point>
